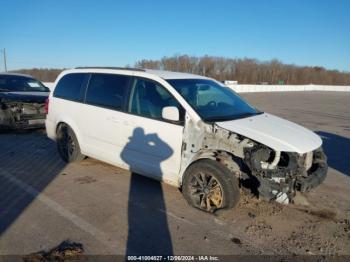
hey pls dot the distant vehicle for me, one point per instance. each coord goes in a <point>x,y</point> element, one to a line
<point>230,82</point>
<point>22,101</point>
<point>186,130</point>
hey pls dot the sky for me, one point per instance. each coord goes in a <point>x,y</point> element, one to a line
<point>67,33</point>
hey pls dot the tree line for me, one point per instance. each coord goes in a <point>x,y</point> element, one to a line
<point>42,74</point>
<point>248,71</point>
<point>245,71</point>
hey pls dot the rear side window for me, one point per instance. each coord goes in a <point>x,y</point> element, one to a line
<point>107,90</point>
<point>71,87</point>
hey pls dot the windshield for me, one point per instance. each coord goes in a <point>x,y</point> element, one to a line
<point>9,83</point>
<point>212,101</point>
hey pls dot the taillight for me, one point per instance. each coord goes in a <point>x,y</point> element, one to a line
<point>46,106</point>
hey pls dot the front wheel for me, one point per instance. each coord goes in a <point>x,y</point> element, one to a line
<point>67,144</point>
<point>209,186</point>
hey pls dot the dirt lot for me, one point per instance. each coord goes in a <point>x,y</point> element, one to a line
<point>105,210</point>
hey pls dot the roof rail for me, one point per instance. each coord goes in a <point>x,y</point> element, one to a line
<point>110,67</point>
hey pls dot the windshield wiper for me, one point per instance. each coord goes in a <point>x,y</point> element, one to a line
<point>218,118</point>
<point>4,90</point>
<point>249,114</point>
<point>232,117</point>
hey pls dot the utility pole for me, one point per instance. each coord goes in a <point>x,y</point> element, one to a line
<point>4,53</point>
<point>4,56</point>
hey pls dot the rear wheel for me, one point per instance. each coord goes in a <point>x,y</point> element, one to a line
<point>210,186</point>
<point>67,144</point>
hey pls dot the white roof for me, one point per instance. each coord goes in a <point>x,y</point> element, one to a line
<point>140,72</point>
<point>173,75</point>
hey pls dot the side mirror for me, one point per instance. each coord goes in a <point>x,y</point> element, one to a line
<point>171,113</point>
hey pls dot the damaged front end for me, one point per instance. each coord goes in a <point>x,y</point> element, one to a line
<point>273,175</point>
<point>21,114</point>
<point>281,174</point>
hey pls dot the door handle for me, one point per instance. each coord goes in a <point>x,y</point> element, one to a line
<point>127,123</point>
<point>113,119</point>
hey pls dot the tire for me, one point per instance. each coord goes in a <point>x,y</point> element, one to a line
<point>210,186</point>
<point>67,144</point>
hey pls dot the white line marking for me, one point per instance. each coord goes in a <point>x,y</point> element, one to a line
<point>76,220</point>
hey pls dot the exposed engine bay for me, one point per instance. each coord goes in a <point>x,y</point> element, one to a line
<point>281,174</point>
<point>16,114</point>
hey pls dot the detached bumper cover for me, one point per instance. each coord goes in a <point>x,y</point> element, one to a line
<point>316,175</point>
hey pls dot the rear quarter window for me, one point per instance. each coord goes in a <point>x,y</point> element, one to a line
<point>107,90</point>
<point>71,86</point>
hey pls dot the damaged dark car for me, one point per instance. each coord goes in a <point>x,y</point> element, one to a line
<point>22,102</point>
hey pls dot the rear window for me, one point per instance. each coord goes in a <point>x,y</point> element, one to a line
<point>71,86</point>
<point>107,90</point>
<point>14,83</point>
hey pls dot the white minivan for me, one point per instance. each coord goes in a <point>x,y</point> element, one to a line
<point>187,130</point>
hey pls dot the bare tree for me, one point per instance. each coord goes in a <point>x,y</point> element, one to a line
<point>245,71</point>
<point>249,71</point>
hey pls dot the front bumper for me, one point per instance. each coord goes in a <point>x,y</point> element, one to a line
<point>316,175</point>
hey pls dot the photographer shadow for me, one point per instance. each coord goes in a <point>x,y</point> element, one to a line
<point>148,232</point>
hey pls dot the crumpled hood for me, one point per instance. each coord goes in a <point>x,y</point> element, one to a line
<point>274,132</point>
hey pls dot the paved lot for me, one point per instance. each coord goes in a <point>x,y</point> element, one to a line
<point>109,211</point>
